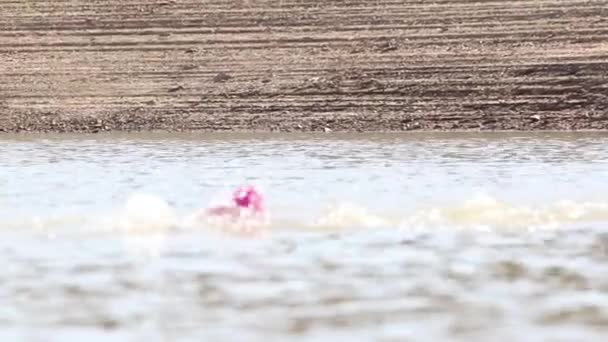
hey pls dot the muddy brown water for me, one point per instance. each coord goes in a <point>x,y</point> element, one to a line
<point>384,237</point>
<point>303,65</point>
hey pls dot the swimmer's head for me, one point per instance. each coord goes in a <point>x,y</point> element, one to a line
<point>248,197</point>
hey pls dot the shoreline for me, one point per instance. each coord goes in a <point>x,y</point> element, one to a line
<point>172,66</point>
<point>344,135</point>
<point>39,124</point>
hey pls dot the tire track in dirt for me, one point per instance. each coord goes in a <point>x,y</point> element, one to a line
<point>77,65</point>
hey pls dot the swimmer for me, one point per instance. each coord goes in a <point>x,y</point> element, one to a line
<point>247,201</point>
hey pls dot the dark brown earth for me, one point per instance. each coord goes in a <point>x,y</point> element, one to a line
<point>373,65</point>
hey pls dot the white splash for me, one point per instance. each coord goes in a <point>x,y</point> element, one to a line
<point>487,213</point>
<point>344,216</point>
<point>144,213</point>
<point>149,215</point>
<point>245,224</point>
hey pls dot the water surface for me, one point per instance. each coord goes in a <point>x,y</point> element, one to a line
<point>373,237</point>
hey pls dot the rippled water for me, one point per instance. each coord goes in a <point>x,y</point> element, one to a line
<point>373,237</point>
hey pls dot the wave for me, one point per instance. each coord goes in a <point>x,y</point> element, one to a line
<point>145,214</point>
<point>488,213</point>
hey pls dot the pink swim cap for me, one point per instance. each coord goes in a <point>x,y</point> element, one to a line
<point>248,197</point>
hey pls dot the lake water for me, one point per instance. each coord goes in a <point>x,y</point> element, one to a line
<point>383,237</point>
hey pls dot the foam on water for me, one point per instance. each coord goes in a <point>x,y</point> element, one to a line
<point>488,213</point>
<point>147,214</point>
<point>348,216</point>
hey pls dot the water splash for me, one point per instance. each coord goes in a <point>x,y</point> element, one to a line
<point>348,216</point>
<point>145,214</point>
<point>247,224</point>
<point>484,212</point>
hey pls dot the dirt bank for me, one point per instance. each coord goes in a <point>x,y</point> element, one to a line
<point>93,65</point>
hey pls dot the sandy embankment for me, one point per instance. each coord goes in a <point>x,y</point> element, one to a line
<point>303,65</point>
